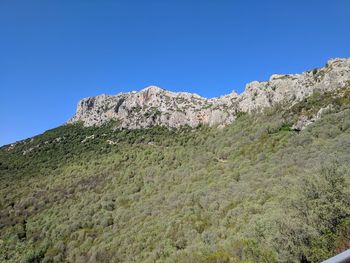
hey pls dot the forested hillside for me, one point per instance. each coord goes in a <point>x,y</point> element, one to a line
<point>256,190</point>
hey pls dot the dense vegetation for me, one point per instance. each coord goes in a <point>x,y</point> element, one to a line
<point>255,191</point>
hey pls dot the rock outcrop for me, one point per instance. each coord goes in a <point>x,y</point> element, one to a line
<point>154,106</point>
<point>304,121</point>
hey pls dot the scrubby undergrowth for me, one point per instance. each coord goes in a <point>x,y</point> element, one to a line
<point>254,191</point>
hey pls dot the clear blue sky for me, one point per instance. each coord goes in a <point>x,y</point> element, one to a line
<point>53,53</point>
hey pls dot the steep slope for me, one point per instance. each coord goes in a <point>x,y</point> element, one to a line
<point>258,190</point>
<point>154,106</point>
<point>254,191</point>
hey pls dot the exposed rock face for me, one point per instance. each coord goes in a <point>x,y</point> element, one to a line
<point>305,121</point>
<point>155,106</point>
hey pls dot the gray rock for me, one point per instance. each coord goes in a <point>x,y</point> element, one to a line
<point>304,121</point>
<point>154,106</point>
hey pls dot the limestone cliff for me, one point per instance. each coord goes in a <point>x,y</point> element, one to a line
<point>155,106</point>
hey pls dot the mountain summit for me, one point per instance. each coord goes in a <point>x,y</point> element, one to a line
<point>154,106</point>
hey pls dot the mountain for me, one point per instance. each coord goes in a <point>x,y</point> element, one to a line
<point>258,178</point>
<point>155,106</point>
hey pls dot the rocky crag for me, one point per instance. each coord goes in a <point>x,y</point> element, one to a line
<point>154,106</point>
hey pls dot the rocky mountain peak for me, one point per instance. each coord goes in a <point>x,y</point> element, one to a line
<point>156,106</point>
<point>153,89</point>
